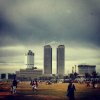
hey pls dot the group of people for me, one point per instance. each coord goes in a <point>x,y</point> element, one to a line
<point>71,88</point>
<point>92,83</point>
<point>34,84</point>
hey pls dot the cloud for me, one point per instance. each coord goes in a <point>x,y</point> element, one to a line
<point>51,43</point>
<point>39,21</point>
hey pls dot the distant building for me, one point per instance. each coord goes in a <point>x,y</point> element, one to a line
<point>60,59</point>
<point>82,69</point>
<point>28,74</point>
<point>30,59</point>
<point>47,59</point>
<point>3,76</point>
<point>7,76</point>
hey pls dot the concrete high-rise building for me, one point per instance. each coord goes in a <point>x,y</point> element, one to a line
<point>47,59</point>
<point>30,59</point>
<point>60,59</point>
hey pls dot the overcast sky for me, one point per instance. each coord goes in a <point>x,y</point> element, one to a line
<point>30,24</point>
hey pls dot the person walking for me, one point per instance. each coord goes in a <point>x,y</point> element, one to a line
<point>33,84</point>
<point>36,82</point>
<point>93,83</point>
<point>14,86</point>
<point>70,91</point>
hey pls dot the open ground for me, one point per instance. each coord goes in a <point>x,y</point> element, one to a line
<point>55,91</point>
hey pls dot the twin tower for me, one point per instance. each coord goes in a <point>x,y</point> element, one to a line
<point>48,59</point>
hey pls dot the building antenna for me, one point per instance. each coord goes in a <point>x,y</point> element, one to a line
<point>72,70</point>
<point>75,68</point>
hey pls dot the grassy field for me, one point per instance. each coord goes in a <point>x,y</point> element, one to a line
<point>49,92</point>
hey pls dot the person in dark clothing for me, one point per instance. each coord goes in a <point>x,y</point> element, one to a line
<point>34,85</point>
<point>88,84</point>
<point>14,86</point>
<point>93,83</point>
<point>70,91</point>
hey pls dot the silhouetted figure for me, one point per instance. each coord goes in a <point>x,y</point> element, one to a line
<point>93,83</point>
<point>14,86</point>
<point>70,91</point>
<point>88,84</point>
<point>36,82</point>
<point>34,85</point>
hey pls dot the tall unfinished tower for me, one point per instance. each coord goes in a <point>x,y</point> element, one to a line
<point>30,59</point>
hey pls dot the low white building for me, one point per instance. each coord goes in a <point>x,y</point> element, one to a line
<point>82,69</point>
<point>28,73</point>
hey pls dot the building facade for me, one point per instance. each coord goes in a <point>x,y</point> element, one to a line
<point>60,59</point>
<point>47,59</point>
<point>82,69</point>
<point>28,74</point>
<point>30,59</point>
<point>7,76</point>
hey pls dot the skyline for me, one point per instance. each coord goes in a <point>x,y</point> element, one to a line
<point>68,64</point>
<point>29,25</point>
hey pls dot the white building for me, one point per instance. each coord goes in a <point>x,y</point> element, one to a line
<point>30,59</point>
<point>82,69</point>
<point>28,74</point>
